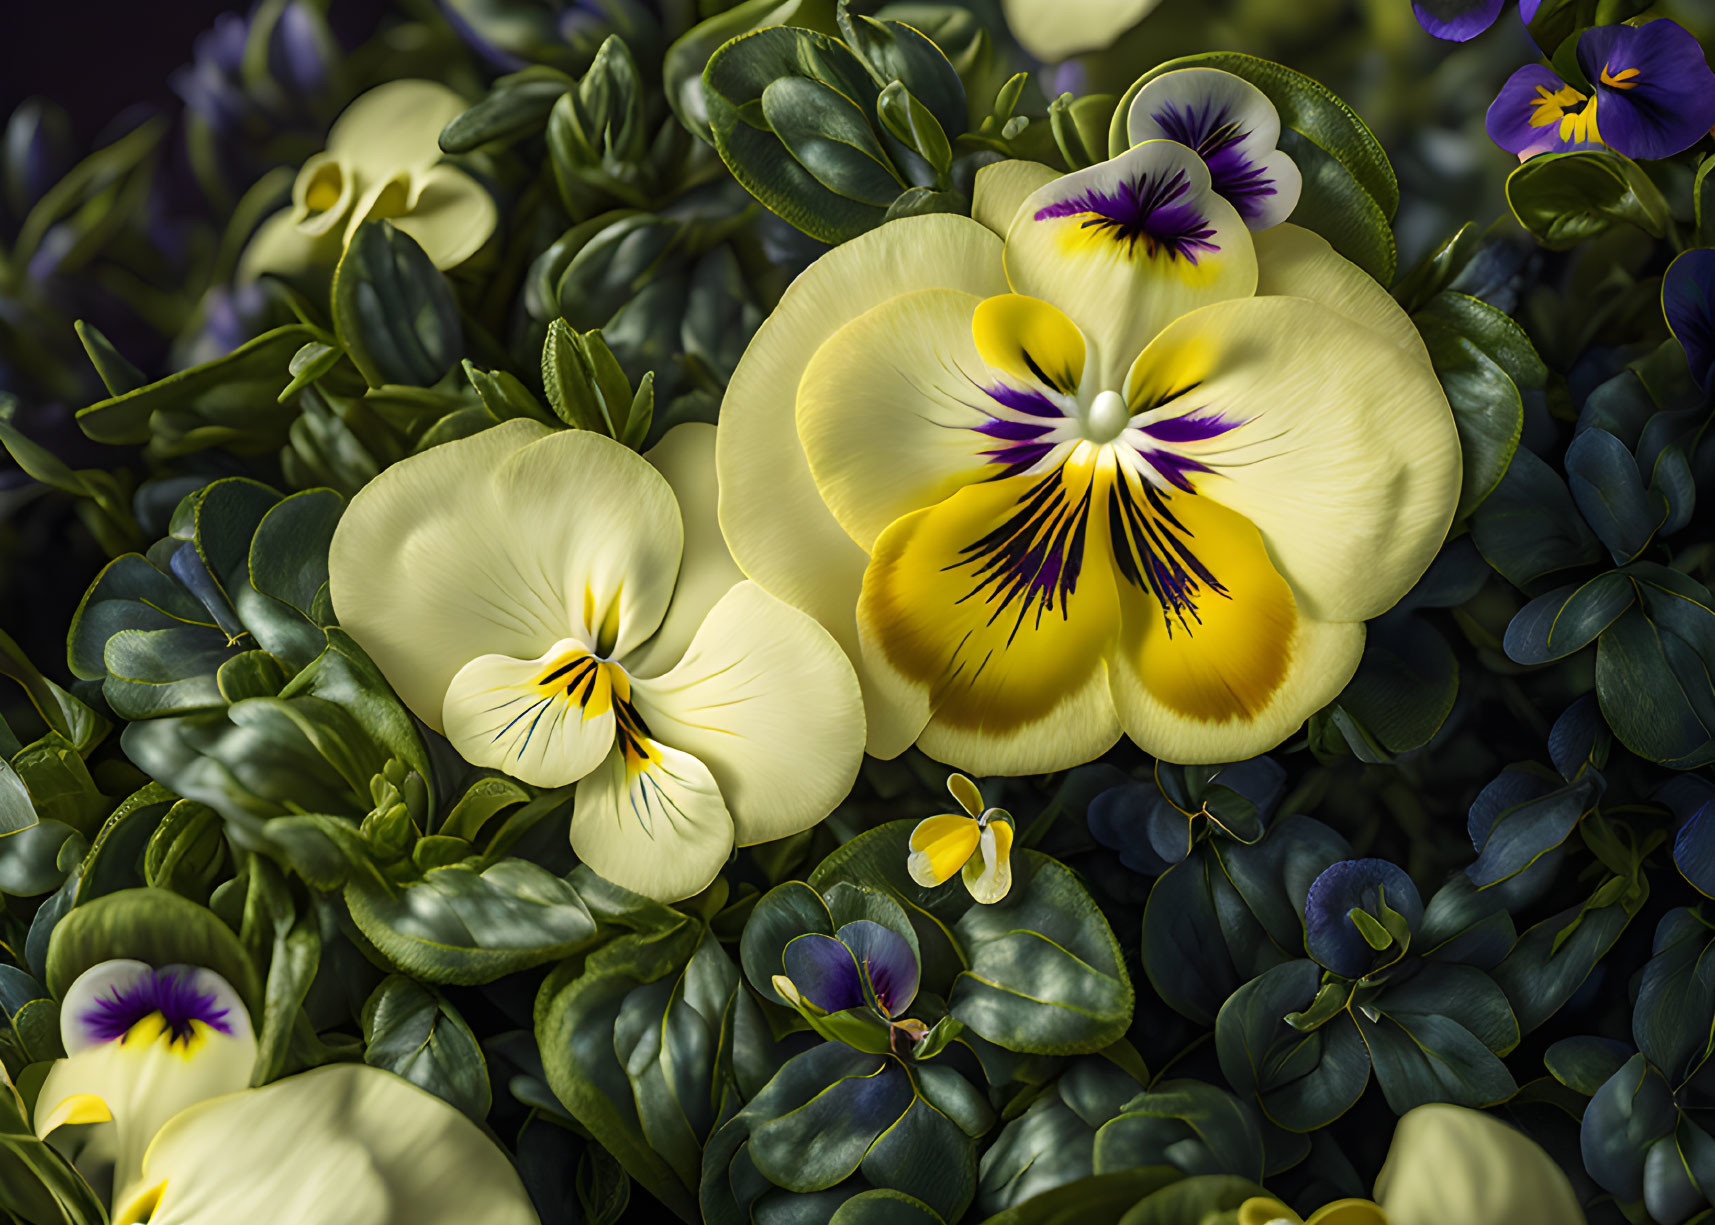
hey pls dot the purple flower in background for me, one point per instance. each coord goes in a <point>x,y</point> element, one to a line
<point>862,963</point>
<point>1653,96</point>
<point>1462,20</point>
<point>1346,927</point>
<point>1688,301</point>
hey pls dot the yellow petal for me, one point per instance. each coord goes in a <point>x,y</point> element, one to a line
<point>1450,1163</point>
<point>1349,1212</point>
<point>1299,263</point>
<point>780,532</point>
<point>279,247</point>
<point>449,214</point>
<point>1235,668</point>
<point>1054,30</point>
<point>966,794</point>
<point>686,457</point>
<point>651,819</point>
<point>322,195</point>
<point>548,720</point>
<point>996,605</point>
<point>1127,246</point>
<point>504,543</point>
<point>346,1143</point>
<point>988,875</point>
<point>940,846</point>
<point>887,411</point>
<point>393,128</point>
<point>1338,445</point>
<point>1260,1210</point>
<point>1031,340</point>
<point>1002,187</point>
<point>765,700</point>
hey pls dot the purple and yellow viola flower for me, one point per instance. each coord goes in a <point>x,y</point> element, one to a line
<point>1688,302</point>
<point>976,844</point>
<point>1099,461</point>
<point>1446,1164</point>
<point>1652,96</point>
<point>1460,21</point>
<point>1233,127</point>
<point>152,1100</point>
<point>564,609</point>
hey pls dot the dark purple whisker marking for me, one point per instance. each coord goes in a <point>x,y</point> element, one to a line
<point>169,992</point>
<point>1189,428</point>
<point>1217,140</point>
<point>1151,212</point>
<point>1153,551</point>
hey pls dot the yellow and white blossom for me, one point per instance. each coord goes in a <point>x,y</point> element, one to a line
<point>976,843</point>
<point>1100,461</point>
<point>1448,1164</point>
<point>383,160</point>
<point>564,610</point>
<point>151,1100</point>
<point>1054,30</point>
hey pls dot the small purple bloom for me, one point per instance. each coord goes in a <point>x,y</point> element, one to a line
<point>1653,96</point>
<point>863,963</point>
<point>170,991</point>
<point>1688,301</point>
<point>1156,213</point>
<point>1457,20</point>
<point>1331,936</point>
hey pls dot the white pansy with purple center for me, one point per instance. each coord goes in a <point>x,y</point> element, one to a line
<point>1233,127</point>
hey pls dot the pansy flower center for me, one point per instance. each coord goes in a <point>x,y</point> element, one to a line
<point>1149,215</point>
<point>162,1003</point>
<point>1570,109</point>
<point>596,687</point>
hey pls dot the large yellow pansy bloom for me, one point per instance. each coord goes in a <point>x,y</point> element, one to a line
<point>564,610</point>
<point>151,1100</point>
<point>1132,468</point>
<point>383,161</point>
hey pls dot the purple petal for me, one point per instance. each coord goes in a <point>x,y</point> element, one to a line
<point>1457,20</point>
<point>1157,214</point>
<point>169,991</point>
<point>1219,141</point>
<point>825,972</point>
<point>1330,936</point>
<point>1533,92</point>
<point>1656,95</point>
<point>1527,10</point>
<point>1688,301</point>
<point>887,961</point>
<point>1189,428</point>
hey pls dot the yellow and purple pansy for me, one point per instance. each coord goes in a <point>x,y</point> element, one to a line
<point>976,843</point>
<point>1651,94</point>
<point>1100,461</point>
<point>564,609</point>
<point>1233,127</point>
<point>1462,20</point>
<point>152,1101</point>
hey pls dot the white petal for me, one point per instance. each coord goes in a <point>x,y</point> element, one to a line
<point>548,720</point>
<point>1235,128</point>
<point>1127,246</point>
<point>780,532</point>
<point>769,703</point>
<point>1003,187</point>
<point>1450,1163</point>
<point>686,457</point>
<point>147,1076</point>
<point>503,543</point>
<point>394,127</point>
<point>345,1143</point>
<point>1054,30</point>
<point>653,823</point>
<point>449,213</point>
<point>1294,262</point>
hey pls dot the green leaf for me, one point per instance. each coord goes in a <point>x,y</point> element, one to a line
<point>1102,1197</point>
<point>411,1030</point>
<point>80,725</point>
<point>1302,1080</point>
<point>516,107</point>
<point>153,926</point>
<point>1567,619</point>
<point>42,1188</point>
<point>884,1207</point>
<point>1565,198</point>
<point>116,373</point>
<point>652,1044</point>
<point>229,402</point>
<point>459,925</point>
<point>393,310</point>
<point>1528,528</point>
<point>911,123</point>
<point>829,136</point>
<point>1654,668</point>
<point>896,53</point>
<point>1405,685</point>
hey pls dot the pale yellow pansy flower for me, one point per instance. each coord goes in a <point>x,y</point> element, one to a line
<point>1448,1164</point>
<point>383,161</point>
<point>151,1100</point>
<point>1054,30</point>
<point>976,843</point>
<point>1098,461</point>
<point>564,609</point>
